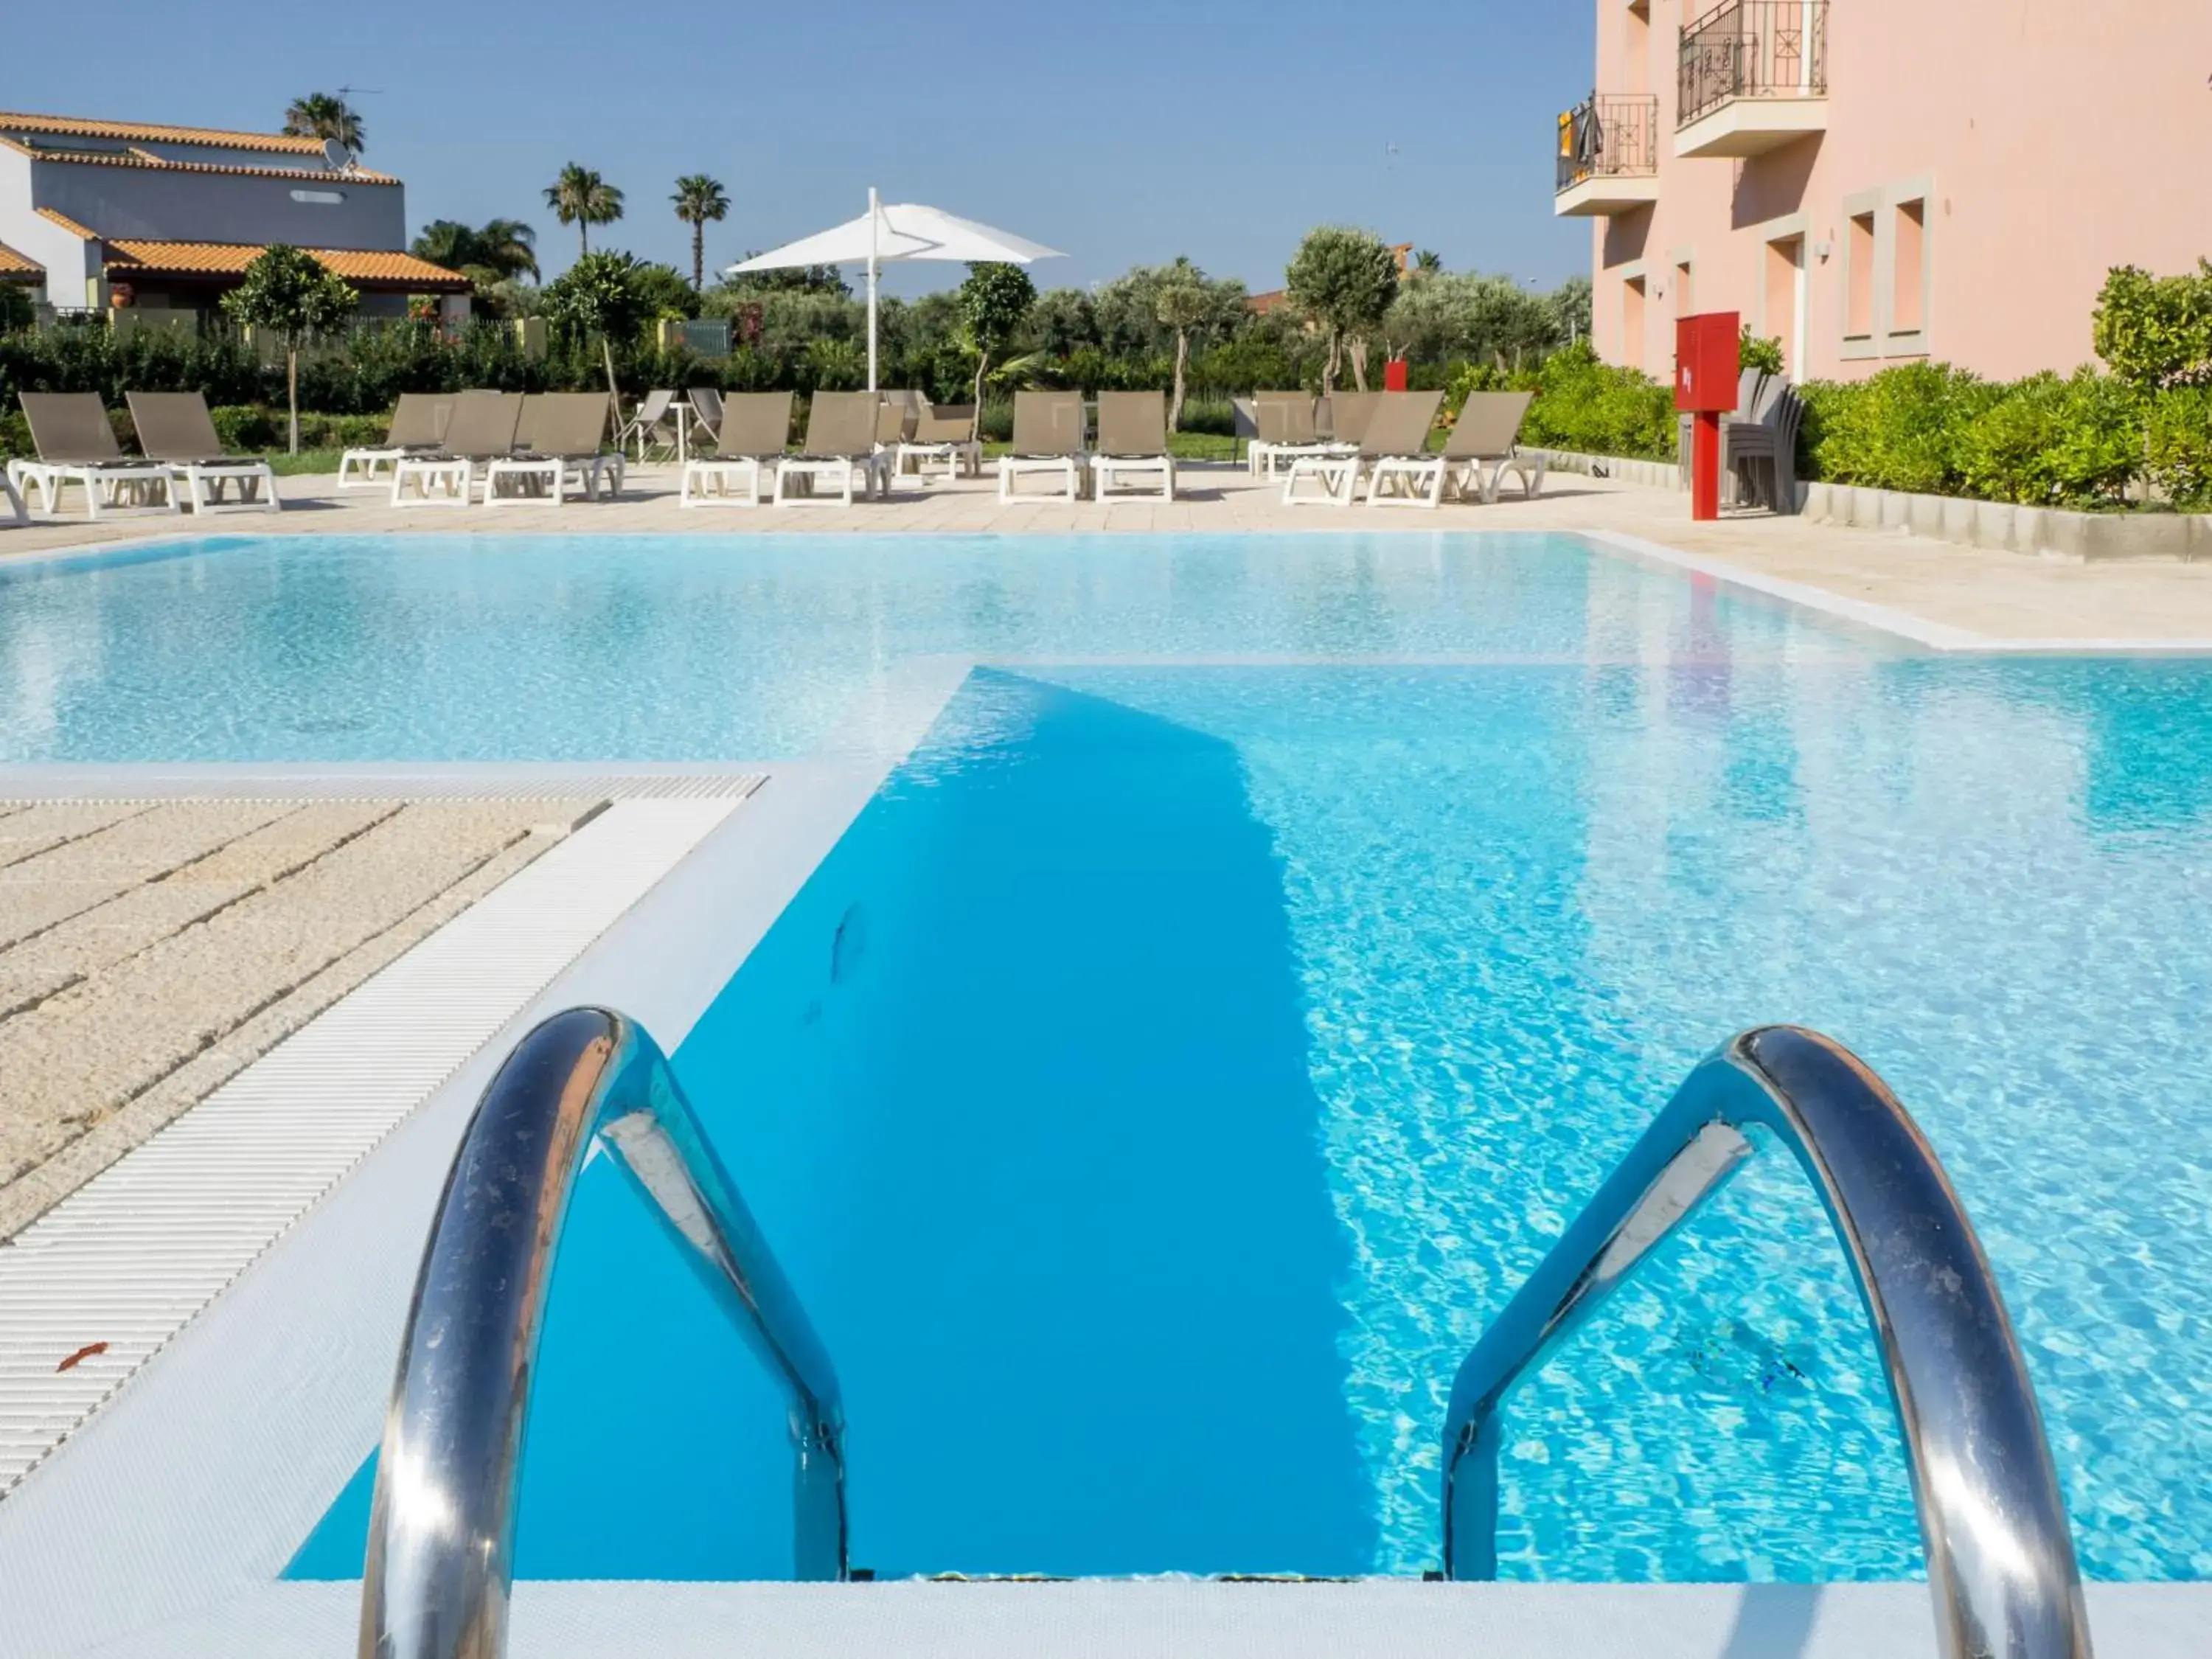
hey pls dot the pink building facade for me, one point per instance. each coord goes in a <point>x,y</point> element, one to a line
<point>1884,181</point>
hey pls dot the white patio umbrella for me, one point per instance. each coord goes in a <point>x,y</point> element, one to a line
<point>904,230</point>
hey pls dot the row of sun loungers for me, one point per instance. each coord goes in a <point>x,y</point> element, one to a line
<point>506,448</point>
<point>77,444</point>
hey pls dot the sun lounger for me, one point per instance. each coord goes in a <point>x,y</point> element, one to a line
<point>750,436</point>
<point>1048,439</point>
<point>417,426</point>
<point>653,426</point>
<point>175,427</point>
<point>1287,429</point>
<point>1392,448</point>
<point>558,434</point>
<point>941,436</point>
<point>840,450</point>
<point>77,444</point>
<point>1133,440</point>
<point>480,430</point>
<point>17,513</point>
<point>706,410</point>
<point>1344,414</point>
<point>1486,433</point>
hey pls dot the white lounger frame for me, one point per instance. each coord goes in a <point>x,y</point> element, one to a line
<point>1105,469</point>
<point>712,482</point>
<point>17,513</point>
<point>49,478</point>
<point>454,481</point>
<point>1068,468</point>
<point>1338,476</point>
<point>1422,478</point>
<point>955,456</point>
<point>368,461</point>
<point>1262,459</point>
<point>840,470</point>
<point>1465,479</point>
<point>564,475</point>
<point>203,483</point>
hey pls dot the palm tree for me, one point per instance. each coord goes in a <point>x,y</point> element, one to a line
<point>699,198</point>
<point>509,247</point>
<point>321,115</point>
<point>501,250</point>
<point>580,198</point>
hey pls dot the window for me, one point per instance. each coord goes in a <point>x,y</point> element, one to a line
<point>1909,305</point>
<point>1858,278</point>
<point>320,197</point>
<point>1785,277</point>
<point>1632,322</point>
<point>1635,48</point>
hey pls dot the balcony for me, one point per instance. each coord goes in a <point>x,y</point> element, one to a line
<point>1754,77</point>
<point>1608,156</point>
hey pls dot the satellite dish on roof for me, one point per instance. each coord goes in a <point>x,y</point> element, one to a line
<point>339,157</point>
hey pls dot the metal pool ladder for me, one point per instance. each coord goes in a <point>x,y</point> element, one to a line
<point>442,1528</point>
<point>2001,1565</point>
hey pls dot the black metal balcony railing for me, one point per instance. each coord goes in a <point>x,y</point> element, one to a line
<point>1752,49</point>
<point>1609,137</point>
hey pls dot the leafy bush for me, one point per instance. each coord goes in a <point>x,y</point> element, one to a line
<point>1899,429</point>
<point>1764,355</point>
<point>2053,442</point>
<point>2156,331</point>
<point>2177,446</point>
<point>1585,404</point>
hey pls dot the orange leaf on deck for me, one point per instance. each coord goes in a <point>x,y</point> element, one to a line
<point>81,1356</point>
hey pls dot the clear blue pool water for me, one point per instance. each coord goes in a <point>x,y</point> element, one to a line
<point>1211,1049</point>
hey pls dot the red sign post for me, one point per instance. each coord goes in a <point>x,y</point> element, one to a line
<point>1707,363</point>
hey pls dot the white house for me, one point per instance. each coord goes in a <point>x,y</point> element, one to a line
<point>103,214</point>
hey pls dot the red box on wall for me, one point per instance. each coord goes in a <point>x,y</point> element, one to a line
<point>1707,361</point>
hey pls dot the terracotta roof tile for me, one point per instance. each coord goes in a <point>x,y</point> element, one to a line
<point>14,267</point>
<point>127,158</point>
<point>71,126</point>
<point>129,255</point>
<point>69,224</point>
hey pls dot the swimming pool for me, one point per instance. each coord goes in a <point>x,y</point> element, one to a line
<point>1155,1090</point>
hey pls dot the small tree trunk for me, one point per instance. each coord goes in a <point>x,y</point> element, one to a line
<point>292,391</point>
<point>1359,362</point>
<point>976,421</point>
<point>1182,360</point>
<point>614,392</point>
<point>583,237</point>
<point>1332,363</point>
<point>699,258</point>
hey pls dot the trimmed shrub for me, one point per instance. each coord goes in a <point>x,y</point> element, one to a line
<point>2156,331</point>
<point>1585,404</point>
<point>2053,442</point>
<point>2177,446</point>
<point>1901,429</point>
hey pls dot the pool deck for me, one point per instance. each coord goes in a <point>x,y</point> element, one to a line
<point>1995,596</point>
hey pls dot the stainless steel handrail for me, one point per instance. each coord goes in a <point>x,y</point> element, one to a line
<point>442,1528</point>
<point>2001,1565</point>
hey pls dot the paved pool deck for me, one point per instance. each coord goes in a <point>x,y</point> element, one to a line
<point>1997,596</point>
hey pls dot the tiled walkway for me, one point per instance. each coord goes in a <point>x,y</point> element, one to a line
<point>2001,595</point>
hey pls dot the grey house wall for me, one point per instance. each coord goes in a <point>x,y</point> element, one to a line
<point>222,207</point>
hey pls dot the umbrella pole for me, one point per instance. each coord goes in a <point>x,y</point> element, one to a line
<point>871,287</point>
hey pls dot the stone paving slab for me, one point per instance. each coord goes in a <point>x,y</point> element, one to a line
<point>43,825</point>
<point>38,892</point>
<point>99,938</point>
<point>175,984</point>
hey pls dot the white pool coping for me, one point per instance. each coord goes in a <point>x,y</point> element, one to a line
<point>232,1447</point>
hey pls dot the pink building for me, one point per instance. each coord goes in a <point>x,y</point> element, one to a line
<point>1911,179</point>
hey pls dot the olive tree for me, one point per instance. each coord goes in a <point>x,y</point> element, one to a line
<point>1183,307</point>
<point>994,303</point>
<point>291,294</point>
<point>602,294</point>
<point>1344,281</point>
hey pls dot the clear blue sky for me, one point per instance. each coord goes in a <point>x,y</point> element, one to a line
<point>1125,133</point>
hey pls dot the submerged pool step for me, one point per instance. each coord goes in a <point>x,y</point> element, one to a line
<point>1182,1619</point>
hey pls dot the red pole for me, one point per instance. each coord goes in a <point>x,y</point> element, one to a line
<point>1705,465</point>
